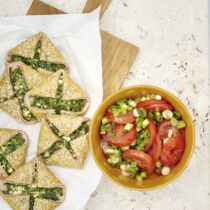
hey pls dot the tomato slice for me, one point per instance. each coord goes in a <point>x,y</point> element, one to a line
<point>158,107</point>
<point>152,130</point>
<point>120,137</point>
<point>182,131</point>
<point>144,161</point>
<point>156,149</point>
<point>122,118</point>
<point>164,127</point>
<point>173,150</point>
<point>155,105</point>
<point>150,102</point>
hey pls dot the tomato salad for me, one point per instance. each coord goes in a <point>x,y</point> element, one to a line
<point>143,136</point>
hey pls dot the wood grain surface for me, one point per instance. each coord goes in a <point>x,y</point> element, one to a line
<point>117,54</point>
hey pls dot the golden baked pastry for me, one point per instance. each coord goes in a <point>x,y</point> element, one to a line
<point>63,140</point>
<point>13,146</point>
<point>18,79</point>
<point>33,187</point>
<point>39,53</point>
<point>57,94</point>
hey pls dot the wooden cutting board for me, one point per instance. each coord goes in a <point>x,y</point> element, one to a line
<point>117,54</point>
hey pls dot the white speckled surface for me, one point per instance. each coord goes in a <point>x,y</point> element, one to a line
<point>173,41</point>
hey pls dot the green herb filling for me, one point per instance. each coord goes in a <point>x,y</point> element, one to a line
<point>13,144</point>
<point>58,104</point>
<point>36,62</point>
<point>65,140</point>
<point>20,89</point>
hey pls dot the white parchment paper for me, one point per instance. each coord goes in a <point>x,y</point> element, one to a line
<point>78,37</point>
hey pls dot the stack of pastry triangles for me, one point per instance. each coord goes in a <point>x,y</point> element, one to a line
<point>35,68</point>
<point>36,87</point>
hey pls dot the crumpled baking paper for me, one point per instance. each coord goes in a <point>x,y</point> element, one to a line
<point>78,38</point>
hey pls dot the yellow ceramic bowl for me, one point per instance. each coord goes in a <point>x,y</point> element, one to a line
<point>115,174</point>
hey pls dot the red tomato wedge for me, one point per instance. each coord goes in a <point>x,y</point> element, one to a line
<point>182,131</point>
<point>155,105</point>
<point>152,130</point>
<point>120,137</point>
<point>122,118</point>
<point>144,161</point>
<point>150,102</point>
<point>164,127</point>
<point>156,149</point>
<point>172,151</point>
<point>158,107</point>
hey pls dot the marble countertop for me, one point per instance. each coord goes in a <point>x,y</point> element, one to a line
<point>173,41</point>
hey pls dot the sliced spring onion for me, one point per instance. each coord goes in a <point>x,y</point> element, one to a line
<point>109,151</point>
<point>124,106</point>
<point>165,140</point>
<point>115,159</point>
<point>174,121</point>
<point>123,110</point>
<point>125,148</point>
<point>143,98</point>
<point>132,170</point>
<point>128,126</point>
<point>117,153</point>
<point>115,109</point>
<point>170,133</point>
<point>158,97</point>
<point>139,178</point>
<point>129,108</point>
<point>135,112</point>
<point>151,115</point>
<point>167,114</point>
<point>104,121</point>
<point>181,124</point>
<point>103,130</point>
<point>158,164</point>
<point>152,96</point>
<point>139,122</point>
<point>142,112</point>
<point>124,173</point>
<point>145,123</point>
<point>123,167</point>
<point>158,117</point>
<point>177,114</point>
<point>143,174</point>
<point>138,99</point>
<point>134,164</point>
<point>132,103</point>
<point>165,171</point>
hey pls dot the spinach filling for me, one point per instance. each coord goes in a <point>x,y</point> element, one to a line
<point>53,148</point>
<point>13,144</point>
<point>82,130</point>
<point>64,141</point>
<point>20,89</point>
<point>33,190</point>
<point>58,104</point>
<point>36,62</point>
<point>6,165</point>
<point>54,194</point>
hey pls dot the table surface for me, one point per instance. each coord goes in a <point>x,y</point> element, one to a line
<point>173,41</point>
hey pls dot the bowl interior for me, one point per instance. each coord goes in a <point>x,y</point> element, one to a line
<point>115,174</point>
